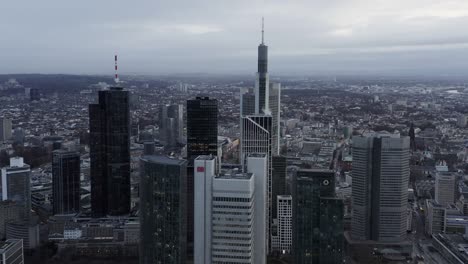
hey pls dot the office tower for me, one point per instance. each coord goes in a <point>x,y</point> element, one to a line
<point>380,188</point>
<point>26,230</point>
<point>162,210</point>
<point>285,222</point>
<point>331,230</point>
<point>265,97</point>
<point>16,183</point>
<point>256,138</point>
<point>230,212</point>
<point>11,251</point>
<point>275,104</point>
<point>34,94</point>
<point>149,148</point>
<point>445,188</point>
<point>9,212</point>
<point>109,125</point>
<point>5,129</point>
<point>461,120</point>
<point>171,124</point>
<point>309,188</point>
<point>257,164</point>
<point>66,182</point>
<point>202,127</point>
<point>412,136</point>
<point>278,181</point>
<point>247,102</point>
<point>202,139</point>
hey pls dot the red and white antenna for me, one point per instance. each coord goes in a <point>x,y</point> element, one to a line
<point>116,79</point>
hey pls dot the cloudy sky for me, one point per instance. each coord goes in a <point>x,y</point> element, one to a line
<point>221,36</point>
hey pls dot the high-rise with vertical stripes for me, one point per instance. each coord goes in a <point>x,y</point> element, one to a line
<point>380,188</point>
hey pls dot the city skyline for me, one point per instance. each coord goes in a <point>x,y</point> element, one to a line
<point>336,37</point>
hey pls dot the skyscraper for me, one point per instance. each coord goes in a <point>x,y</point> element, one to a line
<point>16,183</point>
<point>284,222</point>
<point>109,125</point>
<point>34,94</point>
<point>278,181</point>
<point>5,129</point>
<point>265,97</point>
<point>256,138</point>
<point>171,124</point>
<point>445,188</point>
<point>202,140</point>
<point>230,212</point>
<point>163,210</point>
<point>380,188</point>
<point>310,187</point>
<point>66,182</point>
<point>202,127</point>
<point>331,230</point>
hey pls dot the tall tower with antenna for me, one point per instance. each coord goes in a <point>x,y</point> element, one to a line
<point>262,81</point>
<point>109,127</point>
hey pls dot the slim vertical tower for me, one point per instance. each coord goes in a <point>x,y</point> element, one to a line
<point>66,182</point>
<point>5,129</point>
<point>109,127</point>
<point>171,124</point>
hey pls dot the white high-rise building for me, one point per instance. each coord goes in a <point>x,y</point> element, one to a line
<point>229,220</point>
<point>16,183</point>
<point>461,120</point>
<point>5,129</point>
<point>445,188</point>
<point>380,188</point>
<point>285,222</point>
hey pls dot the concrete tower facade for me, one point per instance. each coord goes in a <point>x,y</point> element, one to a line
<point>380,188</point>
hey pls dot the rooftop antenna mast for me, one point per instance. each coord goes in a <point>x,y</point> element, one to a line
<point>116,78</point>
<point>263,30</point>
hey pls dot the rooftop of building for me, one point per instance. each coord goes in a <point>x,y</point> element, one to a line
<point>234,175</point>
<point>163,159</point>
<point>205,157</point>
<point>257,155</point>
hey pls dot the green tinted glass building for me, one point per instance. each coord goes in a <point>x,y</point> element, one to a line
<point>311,209</point>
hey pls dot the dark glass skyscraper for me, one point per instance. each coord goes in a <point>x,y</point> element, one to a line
<point>202,139</point>
<point>331,230</point>
<point>109,126</point>
<point>278,181</point>
<point>202,127</point>
<point>66,182</point>
<point>163,210</point>
<point>310,187</point>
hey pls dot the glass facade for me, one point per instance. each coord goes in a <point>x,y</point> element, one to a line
<point>331,230</point>
<point>202,127</point>
<point>109,122</point>
<point>66,182</point>
<point>162,210</point>
<point>279,181</point>
<point>309,186</point>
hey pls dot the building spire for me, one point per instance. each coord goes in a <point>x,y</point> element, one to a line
<point>263,30</point>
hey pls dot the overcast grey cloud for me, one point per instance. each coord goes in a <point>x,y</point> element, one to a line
<point>220,36</point>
